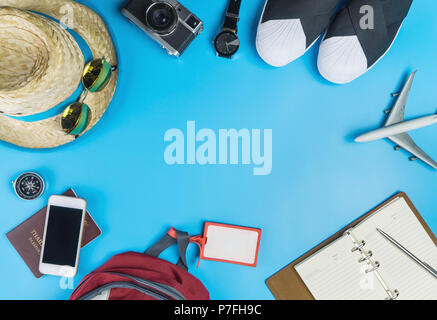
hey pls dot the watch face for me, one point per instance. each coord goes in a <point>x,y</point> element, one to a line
<point>226,44</point>
<point>29,186</point>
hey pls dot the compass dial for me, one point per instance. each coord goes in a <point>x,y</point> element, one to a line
<point>29,186</point>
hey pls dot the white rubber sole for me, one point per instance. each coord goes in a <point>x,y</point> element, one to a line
<point>279,42</point>
<point>342,59</point>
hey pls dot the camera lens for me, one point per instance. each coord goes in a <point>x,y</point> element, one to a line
<point>161,17</point>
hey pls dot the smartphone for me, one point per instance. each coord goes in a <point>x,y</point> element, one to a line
<point>62,236</point>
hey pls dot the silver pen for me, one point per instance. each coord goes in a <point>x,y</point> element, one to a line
<point>423,264</point>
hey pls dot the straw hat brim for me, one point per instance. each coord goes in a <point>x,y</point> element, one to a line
<point>88,24</point>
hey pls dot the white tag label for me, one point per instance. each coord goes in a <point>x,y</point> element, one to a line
<point>231,244</point>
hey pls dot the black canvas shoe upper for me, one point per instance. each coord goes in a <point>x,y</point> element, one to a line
<point>313,14</point>
<point>388,18</point>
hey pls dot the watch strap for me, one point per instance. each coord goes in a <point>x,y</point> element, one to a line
<point>232,15</point>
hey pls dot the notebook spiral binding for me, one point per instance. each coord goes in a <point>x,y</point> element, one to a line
<point>366,257</point>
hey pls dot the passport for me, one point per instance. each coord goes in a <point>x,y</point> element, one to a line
<point>27,237</point>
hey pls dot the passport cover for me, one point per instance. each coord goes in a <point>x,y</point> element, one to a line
<point>27,237</point>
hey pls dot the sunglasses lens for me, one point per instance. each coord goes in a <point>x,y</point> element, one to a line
<point>96,75</point>
<point>75,118</point>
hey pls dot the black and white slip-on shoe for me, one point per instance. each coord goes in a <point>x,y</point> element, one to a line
<point>288,28</point>
<point>360,35</point>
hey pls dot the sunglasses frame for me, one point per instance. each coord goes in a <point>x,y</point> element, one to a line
<point>110,69</point>
<point>105,68</point>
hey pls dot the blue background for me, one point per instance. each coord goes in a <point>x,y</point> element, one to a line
<point>321,179</point>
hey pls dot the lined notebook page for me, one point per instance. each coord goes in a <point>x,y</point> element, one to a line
<point>398,270</point>
<point>335,273</point>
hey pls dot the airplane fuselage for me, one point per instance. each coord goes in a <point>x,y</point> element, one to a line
<point>397,128</point>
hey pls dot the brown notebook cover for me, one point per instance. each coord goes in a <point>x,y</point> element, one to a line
<point>287,284</point>
<point>27,237</point>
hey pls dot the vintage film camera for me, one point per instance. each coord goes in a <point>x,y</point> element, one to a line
<point>166,21</point>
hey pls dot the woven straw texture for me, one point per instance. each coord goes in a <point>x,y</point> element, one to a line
<point>41,65</point>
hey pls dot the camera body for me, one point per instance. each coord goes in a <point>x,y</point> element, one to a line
<point>167,21</point>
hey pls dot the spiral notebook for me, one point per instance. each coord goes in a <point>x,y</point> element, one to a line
<point>359,263</point>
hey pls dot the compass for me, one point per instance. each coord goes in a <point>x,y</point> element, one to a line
<point>29,186</point>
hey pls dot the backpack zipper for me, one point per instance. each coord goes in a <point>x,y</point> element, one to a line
<point>127,285</point>
<point>154,289</point>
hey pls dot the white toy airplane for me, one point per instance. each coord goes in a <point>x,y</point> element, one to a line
<point>395,127</point>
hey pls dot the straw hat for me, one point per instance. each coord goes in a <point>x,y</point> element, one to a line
<point>41,65</point>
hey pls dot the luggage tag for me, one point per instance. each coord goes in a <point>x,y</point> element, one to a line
<point>229,243</point>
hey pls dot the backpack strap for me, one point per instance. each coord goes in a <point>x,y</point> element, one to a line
<point>173,236</point>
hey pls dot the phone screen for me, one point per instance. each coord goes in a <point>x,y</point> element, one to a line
<point>62,236</point>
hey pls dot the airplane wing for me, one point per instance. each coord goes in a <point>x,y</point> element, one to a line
<point>404,141</point>
<point>397,113</point>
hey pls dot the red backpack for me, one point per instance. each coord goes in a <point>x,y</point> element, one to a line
<point>143,276</point>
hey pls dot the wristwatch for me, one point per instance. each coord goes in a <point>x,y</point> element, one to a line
<point>227,43</point>
<point>29,186</point>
